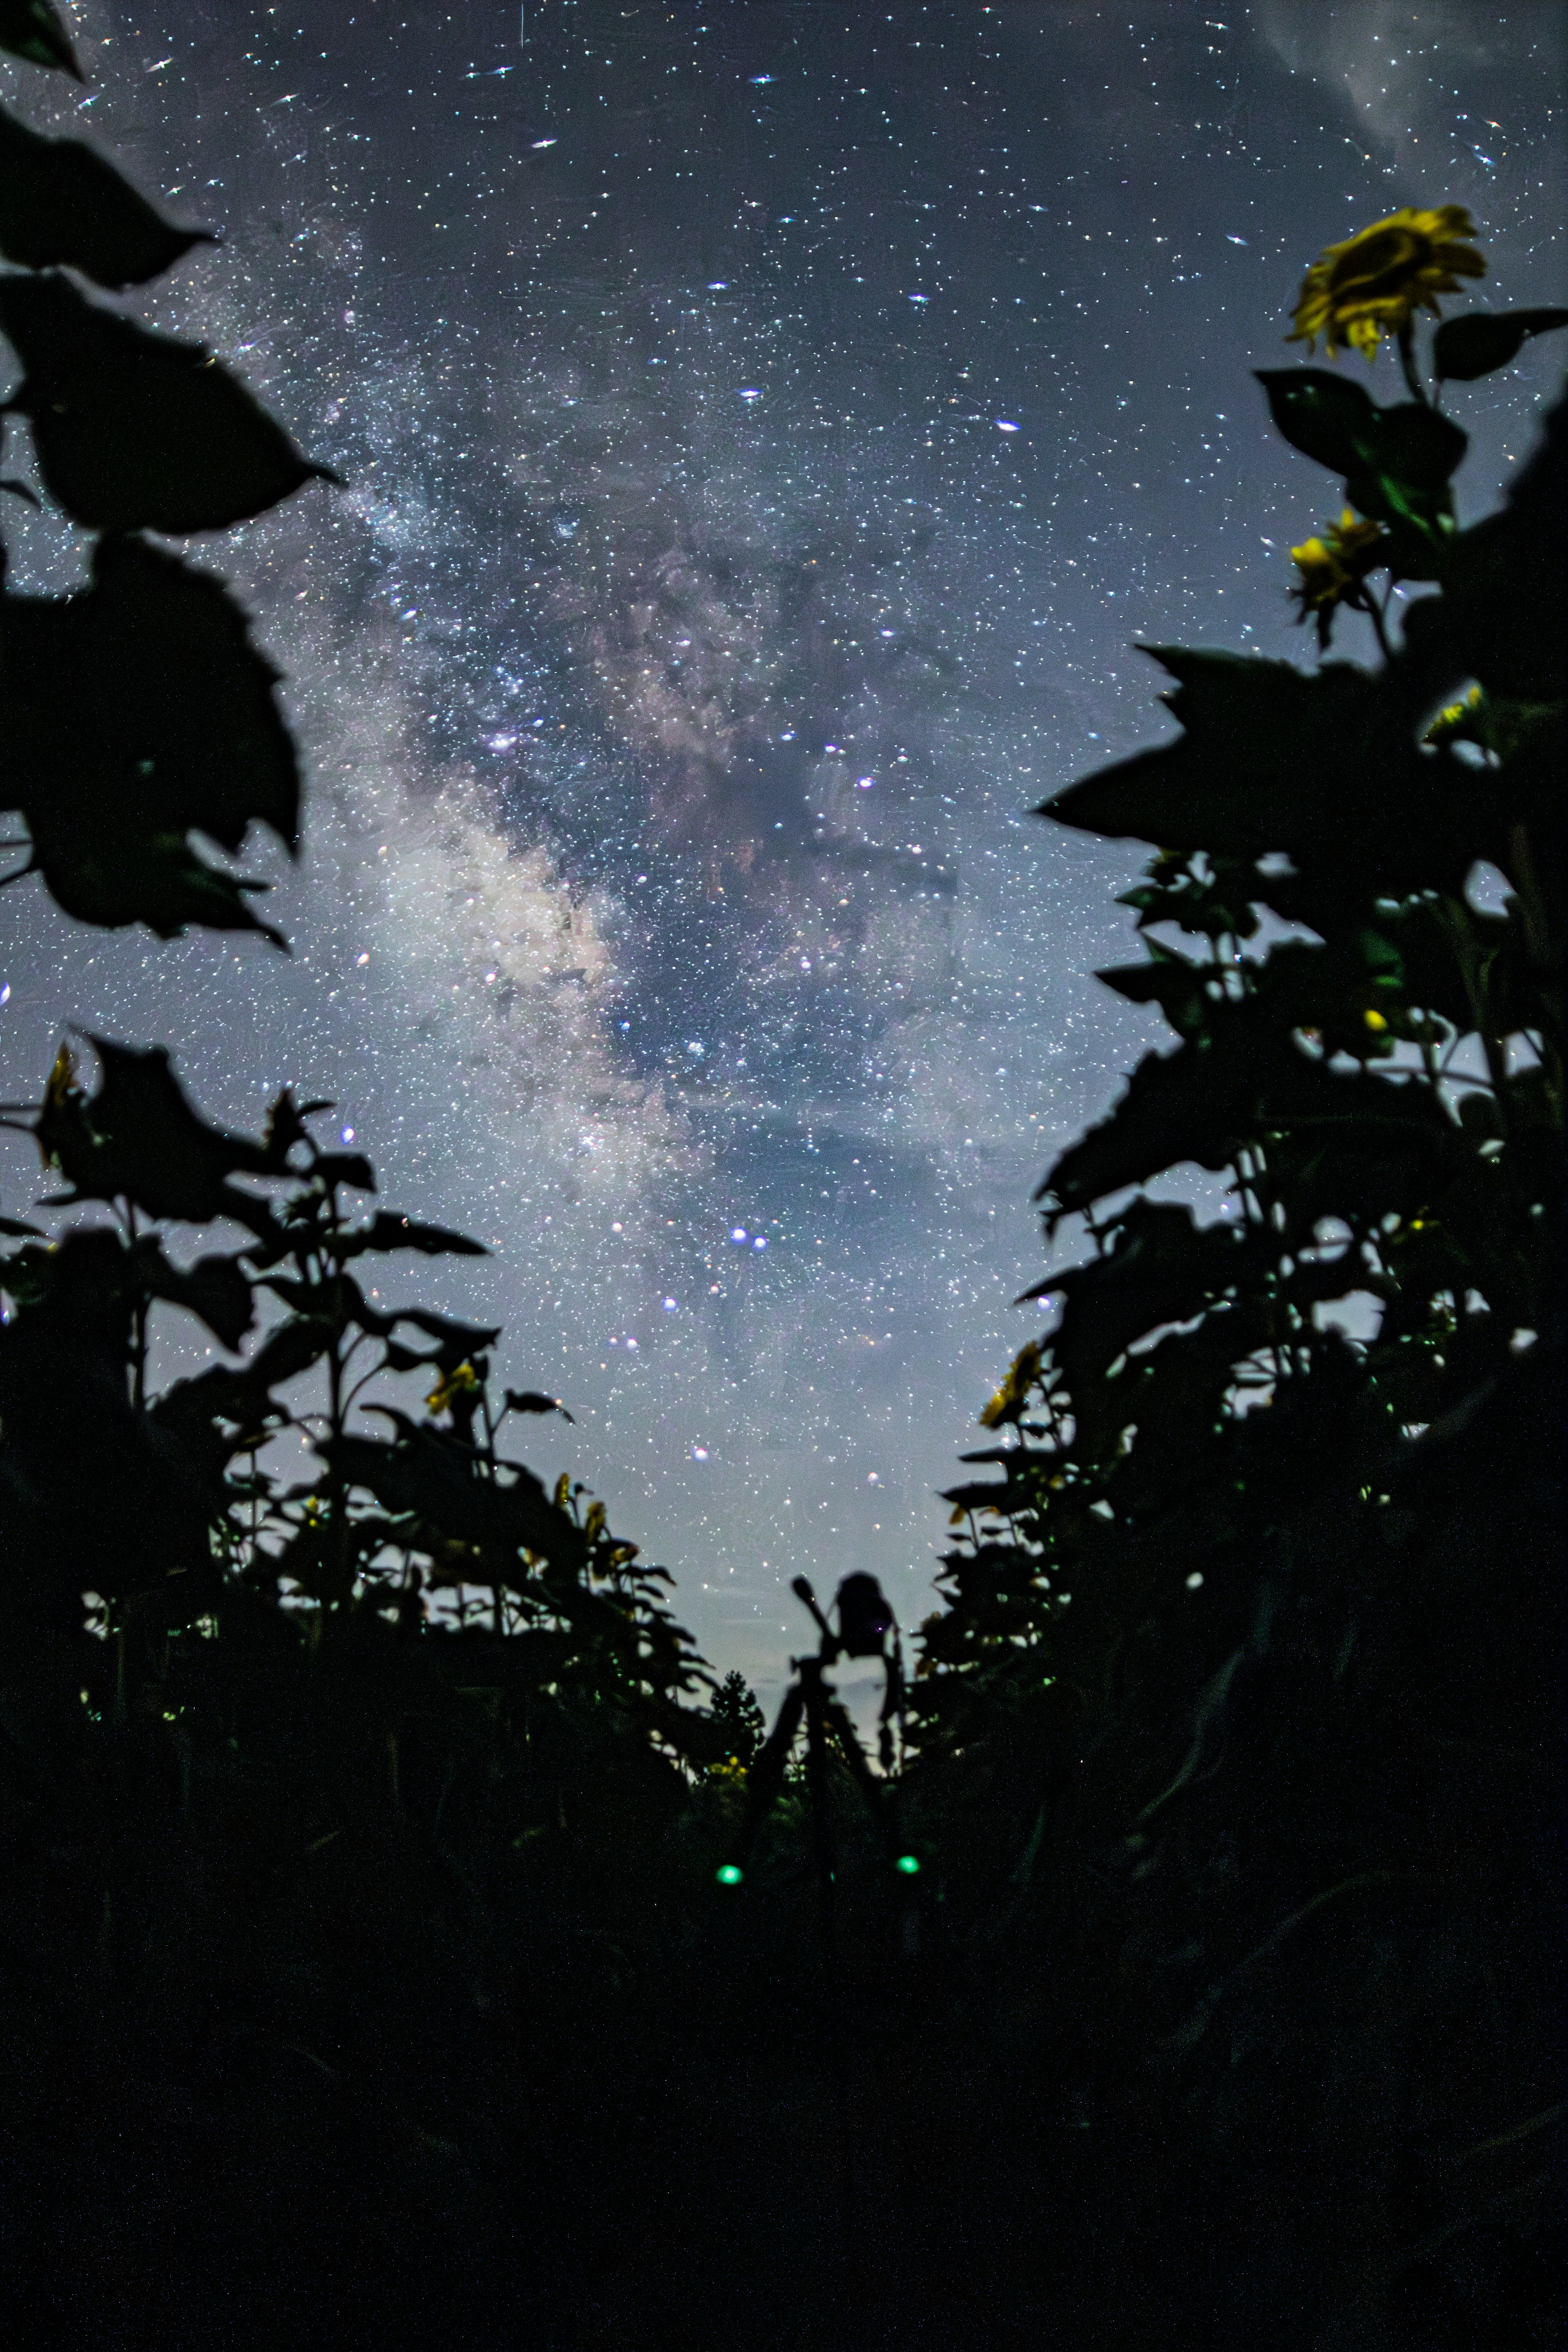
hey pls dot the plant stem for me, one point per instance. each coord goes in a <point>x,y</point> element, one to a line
<point>1407,361</point>
<point>1369,606</point>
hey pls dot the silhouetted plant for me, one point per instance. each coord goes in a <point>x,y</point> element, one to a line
<point>137,712</point>
<point>1253,1629</point>
<point>368,1959</point>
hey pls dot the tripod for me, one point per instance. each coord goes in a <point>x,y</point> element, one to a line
<point>866,1629</point>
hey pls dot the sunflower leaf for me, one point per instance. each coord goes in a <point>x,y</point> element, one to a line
<point>112,769</point>
<point>134,431</point>
<point>1324,415</point>
<point>137,1138</point>
<point>31,29</point>
<point>61,202</point>
<point>1483,341</point>
<point>1396,463</point>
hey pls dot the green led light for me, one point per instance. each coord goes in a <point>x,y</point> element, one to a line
<point>908,1864</point>
<point>729,1874</point>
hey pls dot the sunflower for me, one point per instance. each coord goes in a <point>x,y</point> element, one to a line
<point>61,1081</point>
<point>1012,1398</point>
<point>1374,284</point>
<point>1459,723</point>
<point>450,1388</point>
<point>1333,567</point>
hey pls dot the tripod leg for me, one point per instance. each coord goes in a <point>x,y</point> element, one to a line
<point>767,1773</point>
<point>817,1705</point>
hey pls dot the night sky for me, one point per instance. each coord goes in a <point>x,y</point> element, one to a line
<point>766,424</point>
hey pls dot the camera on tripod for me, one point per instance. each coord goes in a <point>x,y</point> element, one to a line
<point>866,1629</point>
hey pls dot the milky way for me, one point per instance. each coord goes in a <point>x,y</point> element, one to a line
<point>766,427</point>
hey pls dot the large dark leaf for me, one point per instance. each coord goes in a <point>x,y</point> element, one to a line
<point>229,1410</point>
<point>1181,989</point>
<point>1160,1267</point>
<point>215,1288</point>
<point>289,1348</point>
<point>1503,615</point>
<point>60,202</point>
<point>1396,462</point>
<point>1250,1088</point>
<point>134,431</point>
<point>95,1495</point>
<point>1326,416</point>
<point>458,1341</point>
<point>1269,759</point>
<point>31,29</point>
<point>1178,1403</point>
<point>1325,768</point>
<point>431,1477</point>
<point>1472,346</point>
<point>137,1138</point>
<point>1255,768</point>
<point>1404,470</point>
<point>388,1232</point>
<point>136,712</point>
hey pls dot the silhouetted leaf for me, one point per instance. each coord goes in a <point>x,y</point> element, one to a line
<point>1324,767</point>
<point>1473,345</point>
<point>1324,415</point>
<point>217,1289</point>
<point>1160,1267</point>
<point>290,1348</point>
<point>1396,462</point>
<point>137,1138</point>
<point>1247,1088</point>
<point>349,1168</point>
<point>326,1299</point>
<point>1502,617</point>
<point>1404,470</point>
<point>31,29</point>
<point>458,1341</point>
<point>429,1475</point>
<point>388,1232</point>
<point>60,202</point>
<point>135,431</point>
<point>138,712</point>
<point>95,1495</point>
<point>1266,751</point>
<point>1180,988</point>
<point>534,1401</point>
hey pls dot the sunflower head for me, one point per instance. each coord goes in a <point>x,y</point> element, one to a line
<point>1458,722</point>
<point>1331,568</point>
<point>1374,284</point>
<point>1012,1398</point>
<point>451,1388</point>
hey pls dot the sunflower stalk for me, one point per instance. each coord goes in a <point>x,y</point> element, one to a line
<point>1406,343</point>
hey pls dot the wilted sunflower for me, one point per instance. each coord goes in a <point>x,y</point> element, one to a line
<point>450,1387</point>
<point>1333,568</point>
<point>61,1081</point>
<point>1374,284</point>
<point>1459,723</point>
<point>1012,1398</point>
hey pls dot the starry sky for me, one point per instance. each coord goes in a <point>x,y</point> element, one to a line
<point>768,425</point>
